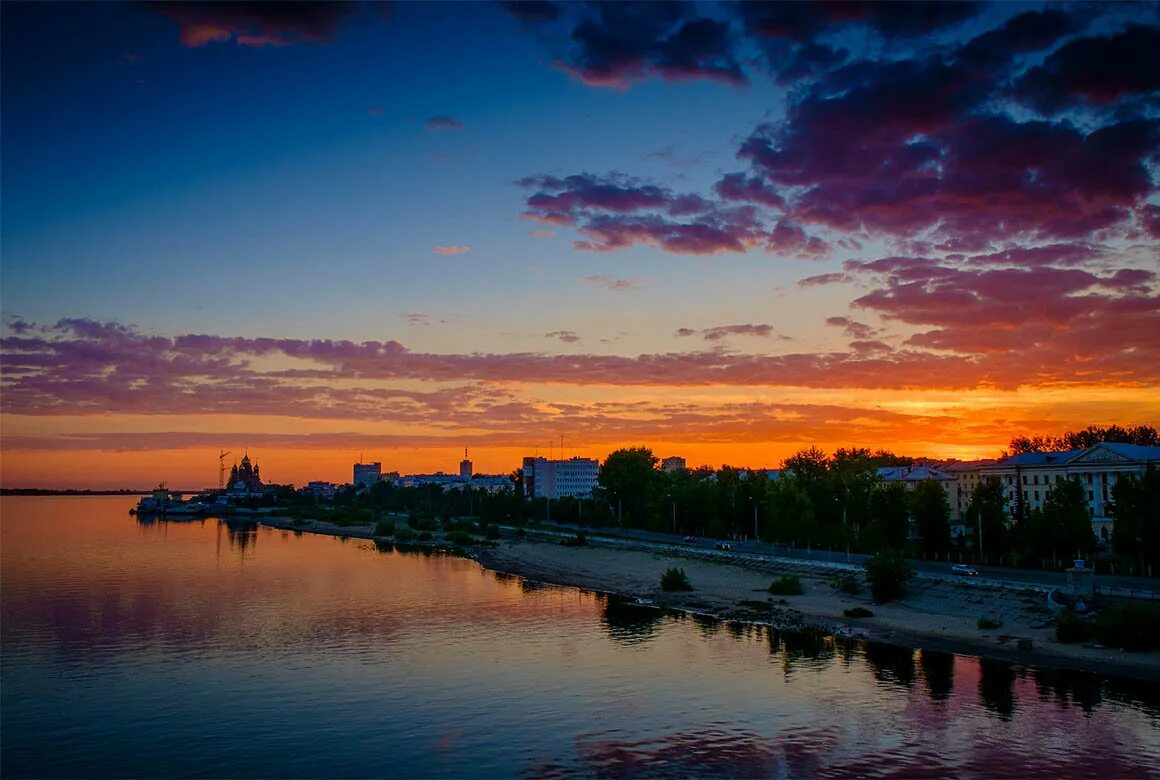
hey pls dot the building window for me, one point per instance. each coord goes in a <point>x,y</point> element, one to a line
<point>1036,495</point>
<point>1024,479</point>
<point>1091,497</point>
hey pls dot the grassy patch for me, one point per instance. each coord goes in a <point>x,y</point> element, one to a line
<point>849,585</point>
<point>757,606</point>
<point>787,585</point>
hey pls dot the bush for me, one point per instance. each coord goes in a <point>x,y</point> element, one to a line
<point>858,612</point>
<point>405,534</point>
<point>849,585</point>
<point>424,536</point>
<point>675,579</point>
<point>385,527</point>
<point>491,531</point>
<point>461,538</point>
<point>786,585</point>
<point>1131,627</point>
<point>1070,627</point>
<point>888,573</point>
<point>423,522</point>
<point>986,624</point>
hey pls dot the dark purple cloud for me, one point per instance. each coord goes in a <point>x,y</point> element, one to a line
<point>615,44</point>
<point>616,211</point>
<point>257,23</point>
<point>532,11</point>
<point>1030,31</point>
<point>1095,70</point>
<point>567,336</point>
<point>803,21</point>
<point>1062,323</point>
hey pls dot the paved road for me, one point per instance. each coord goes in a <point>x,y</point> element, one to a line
<point>1032,577</point>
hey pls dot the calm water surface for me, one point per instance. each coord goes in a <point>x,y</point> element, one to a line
<point>148,649</point>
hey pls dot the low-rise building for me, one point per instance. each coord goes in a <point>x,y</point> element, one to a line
<point>911,476</point>
<point>674,463</point>
<point>966,476</point>
<point>1029,476</point>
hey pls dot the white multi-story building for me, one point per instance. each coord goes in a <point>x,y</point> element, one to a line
<point>675,463</point>
<point>1028,477</point>
<point>575,477</point>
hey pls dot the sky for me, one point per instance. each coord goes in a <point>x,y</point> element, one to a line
<point>322,233</point>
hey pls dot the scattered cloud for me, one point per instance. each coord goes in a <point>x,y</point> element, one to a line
<point>852,328</point>
<point>452,250</point>
<point>612,283</point>
<point>567,336</point>
<point>376,110</point>
<point>443,123</point>
<point>724,331</point>
<point>256,24</point>
<point>541,233</point>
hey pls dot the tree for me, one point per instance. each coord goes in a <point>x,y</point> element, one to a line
<point>889,516</point>
<point>887,572</point>
<point>1066,519</point>
<point>988,512</point>
<point>790,513</point>
<point>932,513</point>
<point>1144,435</point>
<point>629,479</point>
<point>1136,510</point>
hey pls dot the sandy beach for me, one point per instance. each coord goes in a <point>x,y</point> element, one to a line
<point>935,614</point>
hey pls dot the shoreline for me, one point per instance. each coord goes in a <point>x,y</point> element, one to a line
<point>935,616</point>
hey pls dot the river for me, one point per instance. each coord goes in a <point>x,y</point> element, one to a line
<point>133,648</point>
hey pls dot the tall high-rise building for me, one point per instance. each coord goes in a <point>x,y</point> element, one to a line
<point>465,466</point>
<point>675,463</point>
<point>367,474</point>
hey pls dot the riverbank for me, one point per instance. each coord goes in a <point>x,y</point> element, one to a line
<point>935,615</point>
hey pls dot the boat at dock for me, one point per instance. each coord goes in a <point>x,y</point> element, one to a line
<point>163,502</point>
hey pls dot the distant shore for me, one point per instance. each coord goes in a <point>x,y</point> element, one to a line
<point>72,492</point>
<point>935,615</point>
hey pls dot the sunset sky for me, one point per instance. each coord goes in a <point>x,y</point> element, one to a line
<point>728,232</point>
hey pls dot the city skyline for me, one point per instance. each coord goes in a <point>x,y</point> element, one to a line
<point>725,232</point>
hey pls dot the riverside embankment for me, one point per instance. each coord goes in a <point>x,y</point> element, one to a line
<point>938,613</point>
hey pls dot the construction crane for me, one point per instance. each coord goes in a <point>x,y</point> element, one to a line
<point>222,470</point>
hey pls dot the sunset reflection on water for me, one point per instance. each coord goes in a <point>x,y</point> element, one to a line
<point>218,648</point>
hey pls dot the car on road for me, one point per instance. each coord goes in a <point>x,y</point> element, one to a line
<point>724,546</point>
<point>965,570</point>
<point>690,538</point>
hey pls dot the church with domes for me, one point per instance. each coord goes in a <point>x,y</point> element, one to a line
<point>245,477</point>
